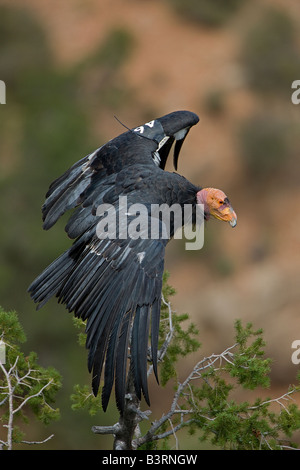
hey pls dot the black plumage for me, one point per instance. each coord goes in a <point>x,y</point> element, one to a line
<point>115,284</point>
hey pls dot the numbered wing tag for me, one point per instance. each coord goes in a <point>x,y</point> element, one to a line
<point>151,130</point>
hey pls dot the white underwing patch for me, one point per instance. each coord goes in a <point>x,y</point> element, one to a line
<point>141,256</point>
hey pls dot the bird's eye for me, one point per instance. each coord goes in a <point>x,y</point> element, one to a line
<point>221,202</point>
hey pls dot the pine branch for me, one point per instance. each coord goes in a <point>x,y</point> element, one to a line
<point>23,384</point>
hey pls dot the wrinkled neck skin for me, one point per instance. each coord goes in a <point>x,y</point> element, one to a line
<point>201,198</point>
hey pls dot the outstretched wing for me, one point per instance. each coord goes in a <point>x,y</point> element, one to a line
<point>89,179</point>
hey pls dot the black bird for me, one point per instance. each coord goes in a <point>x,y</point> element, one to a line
<point>115,282</point>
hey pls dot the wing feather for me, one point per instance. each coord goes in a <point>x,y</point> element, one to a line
<point>80,183</point>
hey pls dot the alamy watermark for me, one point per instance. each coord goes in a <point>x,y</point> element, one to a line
<point>296,94</point>
<point>2,352</point>
<point>2,92</point>
<point>154,221</point>
<point>296,354</point>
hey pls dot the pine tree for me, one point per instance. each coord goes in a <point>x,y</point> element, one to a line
<point>25,386</point>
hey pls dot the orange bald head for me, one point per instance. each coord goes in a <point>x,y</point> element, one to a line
<point>217,204</point>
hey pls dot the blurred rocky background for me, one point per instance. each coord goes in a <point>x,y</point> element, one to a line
<point>69,68</point>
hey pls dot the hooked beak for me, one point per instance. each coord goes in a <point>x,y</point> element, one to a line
<point>226,214</point>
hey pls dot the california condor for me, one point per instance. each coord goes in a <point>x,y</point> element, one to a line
<point>115,283</point>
